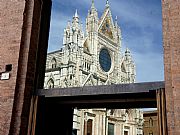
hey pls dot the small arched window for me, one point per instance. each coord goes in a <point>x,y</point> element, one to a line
<point>53,63</point>
<point>128,111</point>
<point>71,76</point>
<point>50,84</point>
<point>88,127</point>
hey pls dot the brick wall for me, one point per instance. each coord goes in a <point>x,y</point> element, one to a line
<point>19,40</point>
<point>171,43</point>
<point>11,22</point>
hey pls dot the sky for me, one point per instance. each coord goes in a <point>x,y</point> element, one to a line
<point>141,27</point>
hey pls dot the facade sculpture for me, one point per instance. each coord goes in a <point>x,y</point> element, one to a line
<point>92,58</point>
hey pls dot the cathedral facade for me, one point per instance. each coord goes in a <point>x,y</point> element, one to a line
<point>90,58</point>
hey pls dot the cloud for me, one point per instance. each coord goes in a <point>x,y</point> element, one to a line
<point>139,12</point>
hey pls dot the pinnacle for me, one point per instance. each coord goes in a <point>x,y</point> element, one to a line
<point>68,24</point>
<point>127,50</point>
<point>92,2</point>
<point>116,18</point>
<point>107,3</point>
<point>92,5</point>
<point>76,14</point>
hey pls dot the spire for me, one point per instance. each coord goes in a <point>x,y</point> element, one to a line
<point>76,14</point>
<point>116,18</point>
<point>92,5</point>
<point>107,3</point>
<point>76,18</point>
<point>93,9</point>
<point>116,21</point>
<point>68,24</point>
<point>127,53</point>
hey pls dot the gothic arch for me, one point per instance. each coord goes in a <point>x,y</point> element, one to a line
<point>50,83</point>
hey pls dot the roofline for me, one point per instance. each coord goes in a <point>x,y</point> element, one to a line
<point>60,50</point>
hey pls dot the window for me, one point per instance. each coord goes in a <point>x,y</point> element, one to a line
<point>53,63</point>
<point>105,60</point>
<point>110,129</point>
<point>88,127</point>
<point>123,68</point>
<point>74,132</point>
<point>125,132</point>
<point>71,77</point>
<point>151,133</point>
<point>150,122</point>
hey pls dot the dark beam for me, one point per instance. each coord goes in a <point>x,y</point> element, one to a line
<point>126,100</point>
<point>101,90</point>
<point>136,95</point>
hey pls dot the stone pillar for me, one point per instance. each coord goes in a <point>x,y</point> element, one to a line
<point>171,43</point>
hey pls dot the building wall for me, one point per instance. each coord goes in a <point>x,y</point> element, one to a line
<point>171,44</point>
<point>11,23</point>
<point>150,126</point>
<point>19,34</point>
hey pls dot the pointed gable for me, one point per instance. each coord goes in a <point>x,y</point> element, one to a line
<point>90,82</point>
<point>106,24</point>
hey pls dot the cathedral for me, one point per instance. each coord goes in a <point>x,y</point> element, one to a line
<point>94,57</point>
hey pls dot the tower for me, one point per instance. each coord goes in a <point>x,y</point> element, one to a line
<point>92,34</point>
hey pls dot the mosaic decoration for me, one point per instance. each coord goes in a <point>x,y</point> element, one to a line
<point>106,30</point>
